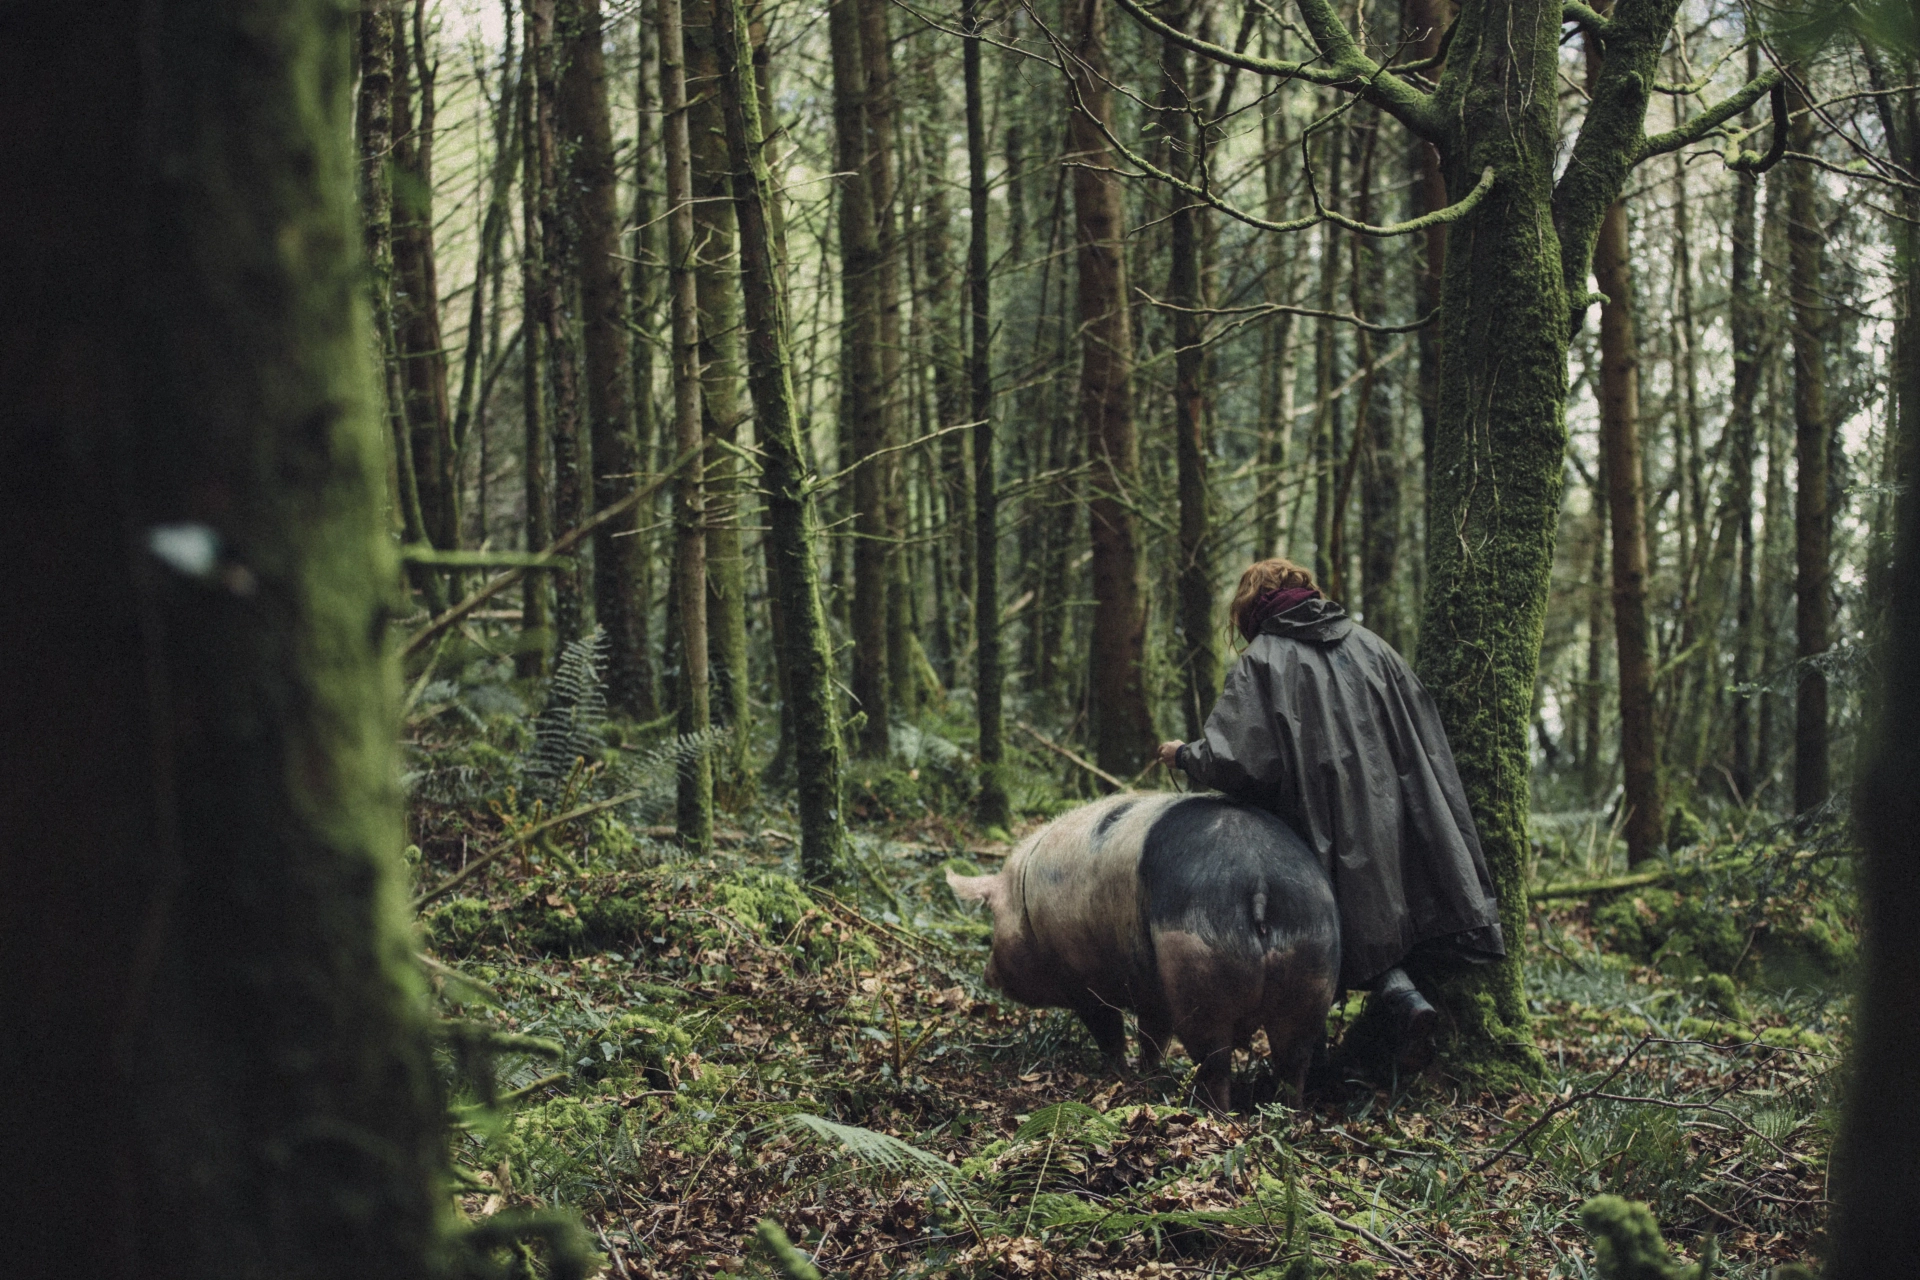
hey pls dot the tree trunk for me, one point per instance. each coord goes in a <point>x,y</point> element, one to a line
<point>1813,610</point>
<point>1198,657</point>
<point>1627,512</point>
<point>808,652</point>
<point>642,305</point>
<point>550,313</point>
<point>1744,323</point>
<point>592,187</point>
<point>694,807</point>
<point>993,808</point>
<point>374,118</point>
<point>1122,726</point>
<point>1593,694</point>
<point>536,590</point>
<point>1429,188</point>
<point>882,113</point>
<point>214,1032</point>
<point>724,409</point>
<point>416,311</point>
<point>1326,376</point>
<point>1379,445</point>
<point>862,394</point>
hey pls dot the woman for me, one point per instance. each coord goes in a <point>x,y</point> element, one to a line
<point>1322,723</point>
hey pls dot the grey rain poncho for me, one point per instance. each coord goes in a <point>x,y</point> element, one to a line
<point>1322,723</point>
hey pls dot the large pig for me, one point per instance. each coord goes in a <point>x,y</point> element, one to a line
<point>1207,918</point>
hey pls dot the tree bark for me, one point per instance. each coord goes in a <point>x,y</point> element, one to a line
<point>1813,609</point>
<point>694,808</point>
<point>1122,726</point>
<point>1198,656</point>
<point>642,306</point>
<point>536,592</point>
<point>1745,325</point>
<point>550,313</point>
<point>808,652</point>
<point>374,120</point>
<point>214,1033</point>
<point>1627,512</point>
<point>416,312</point>
<point>716,270</point>
<point>592,190</point>
<point>862,394</point>
<point>993,808</point>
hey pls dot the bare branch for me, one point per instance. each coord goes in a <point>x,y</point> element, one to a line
<point>1752,161</point>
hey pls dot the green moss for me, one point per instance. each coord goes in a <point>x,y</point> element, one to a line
<point>456,927</point>
<point>1627,1243</point>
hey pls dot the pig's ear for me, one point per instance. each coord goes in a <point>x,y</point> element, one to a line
<point>974,888</point>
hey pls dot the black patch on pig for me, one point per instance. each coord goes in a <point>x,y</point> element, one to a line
<point>1234,875</point>
<point>1110,817</point>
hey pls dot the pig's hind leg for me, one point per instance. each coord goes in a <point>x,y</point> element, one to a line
<point>1109,1033</point>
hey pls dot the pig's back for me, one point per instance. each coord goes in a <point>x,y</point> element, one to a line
<point>1236,878</point>
<point>1079,886</point>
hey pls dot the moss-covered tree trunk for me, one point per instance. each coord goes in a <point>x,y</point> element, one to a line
<point>694,798</point>
<point>807,648</point>
<point>642,309</point>
<point>723,407</point>
<point>216,1056</point>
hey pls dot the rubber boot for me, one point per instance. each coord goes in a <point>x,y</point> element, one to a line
<point>1413,1020</point>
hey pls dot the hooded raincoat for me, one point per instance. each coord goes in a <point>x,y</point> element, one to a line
<point>1323,724</point>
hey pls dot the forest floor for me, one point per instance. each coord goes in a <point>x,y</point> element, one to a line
<point>711,1044</point>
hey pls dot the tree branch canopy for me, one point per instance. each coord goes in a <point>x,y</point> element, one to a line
<point>1346,67</point>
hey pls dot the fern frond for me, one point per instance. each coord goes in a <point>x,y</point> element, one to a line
<point>882,1150</point>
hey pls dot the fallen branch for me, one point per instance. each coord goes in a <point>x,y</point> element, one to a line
<point>558,547</point>
<point>1636,880</point>
<point>1080,760</point>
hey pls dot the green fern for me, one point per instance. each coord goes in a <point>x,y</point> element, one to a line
<point>881,1150</point>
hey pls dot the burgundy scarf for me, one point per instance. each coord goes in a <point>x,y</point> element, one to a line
<point>1271,604</point>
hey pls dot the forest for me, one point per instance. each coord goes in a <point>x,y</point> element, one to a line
<point>554,538</point>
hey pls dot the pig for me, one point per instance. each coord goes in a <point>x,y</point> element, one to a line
<point>1205,917</point>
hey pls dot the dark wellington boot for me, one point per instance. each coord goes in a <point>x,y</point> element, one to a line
<point>1413,1020</point>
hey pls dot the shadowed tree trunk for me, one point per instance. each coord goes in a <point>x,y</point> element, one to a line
<point>695,795</point>
<point>416,305</point>
<point>1744,323</point>
<point>1813,610</point>
<point>536,589</point>
<point>993,806</point>
<point>1198,657</point>
<point>642,307</point>
<point>807,647</point>
<point>1627,514</point>
<point>549,312</point>
<point>592,188</point>
<point>862,395</point>
<point>374,118</point>
<point>214,1035</point>
<point>723,407</point>
<point>1122,727</point>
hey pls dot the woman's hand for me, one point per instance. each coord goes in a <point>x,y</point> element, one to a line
<point>1169,751</point>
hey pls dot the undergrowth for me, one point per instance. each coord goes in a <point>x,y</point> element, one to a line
<point>682,1048</point>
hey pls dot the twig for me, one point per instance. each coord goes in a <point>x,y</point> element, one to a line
<point>1059,750</point>
<point>1560,1106</point>
<point>1392,1250</point>
<point>514,842</point>
<point>558,547</point>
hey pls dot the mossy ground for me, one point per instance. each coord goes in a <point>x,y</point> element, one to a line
<point>702,1005</point>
